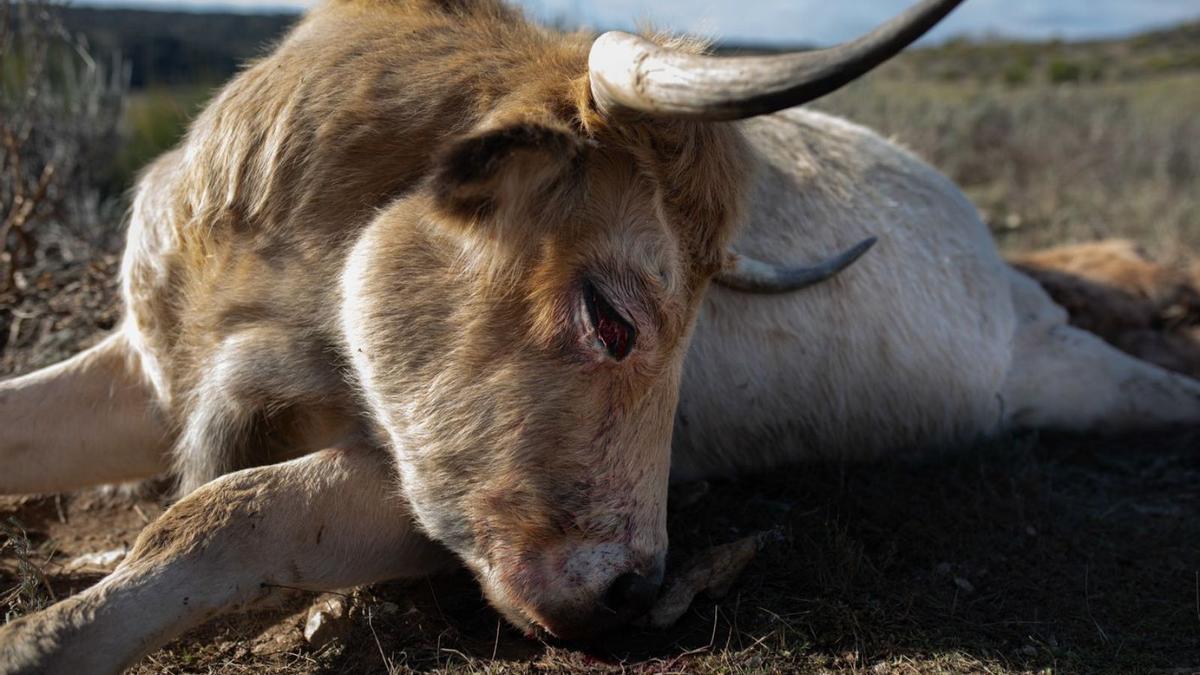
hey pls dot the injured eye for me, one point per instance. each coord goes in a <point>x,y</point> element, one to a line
<point>609,327</point>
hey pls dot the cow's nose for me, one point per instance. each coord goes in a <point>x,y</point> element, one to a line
<point>631,595</point>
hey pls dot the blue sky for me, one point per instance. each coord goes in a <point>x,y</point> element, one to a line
<point>816,21</point>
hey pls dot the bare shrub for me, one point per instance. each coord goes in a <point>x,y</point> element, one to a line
<point>31,591</point>
<point>59,111</point>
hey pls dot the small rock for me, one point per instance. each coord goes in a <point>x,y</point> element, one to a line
<point>328,620</point>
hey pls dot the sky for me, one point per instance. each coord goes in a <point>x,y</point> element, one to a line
<point>811,21</point>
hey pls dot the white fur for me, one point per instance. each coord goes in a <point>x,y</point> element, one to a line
<point>918,344</point>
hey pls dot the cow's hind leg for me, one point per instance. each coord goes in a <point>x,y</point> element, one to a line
<point>89,420</point>
<point>329,520</point>
<point>1067,379</point>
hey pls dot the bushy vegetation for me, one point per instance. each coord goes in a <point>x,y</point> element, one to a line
<point>168,49</point>
<point>1049,163</point>
<point>59,110</point>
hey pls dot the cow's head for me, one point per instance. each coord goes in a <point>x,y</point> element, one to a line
<point>519,324</point>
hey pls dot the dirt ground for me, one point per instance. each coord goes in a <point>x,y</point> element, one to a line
<point>1025,554</point>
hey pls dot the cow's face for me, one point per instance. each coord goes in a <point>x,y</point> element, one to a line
<point>519,328</point>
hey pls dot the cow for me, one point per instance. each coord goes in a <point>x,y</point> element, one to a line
<point>430,285</point>
<point>1113,289</point>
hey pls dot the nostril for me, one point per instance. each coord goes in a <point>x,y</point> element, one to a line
<point>631,595</point>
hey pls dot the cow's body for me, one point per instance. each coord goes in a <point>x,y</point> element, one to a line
<point>928,341</point>
<point>767,381</point>
<point>296,287</point>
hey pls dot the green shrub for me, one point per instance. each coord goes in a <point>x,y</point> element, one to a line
<point>1062,71</point>
<point>155,120</point>
<point>1017,74</point>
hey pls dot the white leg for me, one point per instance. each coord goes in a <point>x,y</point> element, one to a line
<point>329,520</point>
<point>89,420</point>
<point>1067,379</point>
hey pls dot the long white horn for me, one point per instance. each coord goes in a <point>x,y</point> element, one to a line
<point>631,75</point>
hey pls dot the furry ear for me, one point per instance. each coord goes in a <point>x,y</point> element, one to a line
<point>507,167</point>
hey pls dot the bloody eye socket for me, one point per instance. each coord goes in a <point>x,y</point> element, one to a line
<point>614,332</point>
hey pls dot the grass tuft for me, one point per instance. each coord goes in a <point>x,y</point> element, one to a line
<point>31,591</point>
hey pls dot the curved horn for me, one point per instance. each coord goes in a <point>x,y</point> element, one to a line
<point>755,276</point>
<point>630,74</point>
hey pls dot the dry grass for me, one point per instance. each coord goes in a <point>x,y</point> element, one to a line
<point>31,591</point>
<point>59,109</point>
<point>1053,164</point>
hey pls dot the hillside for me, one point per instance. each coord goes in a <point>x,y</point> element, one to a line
<point>1161,52</point>
<point>172,48</point>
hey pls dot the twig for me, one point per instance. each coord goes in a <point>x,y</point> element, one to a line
<point>1087,601</point>
<point>496,642</point>
<point>387,663</point>
<point>141,514</point>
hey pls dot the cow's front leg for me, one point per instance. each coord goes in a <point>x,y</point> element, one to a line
<point>330,520</point>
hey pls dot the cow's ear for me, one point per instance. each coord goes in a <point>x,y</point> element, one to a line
<point>505,169</point>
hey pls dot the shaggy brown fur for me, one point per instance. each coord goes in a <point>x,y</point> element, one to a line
<point>365,103</point>
<point>462,144</point>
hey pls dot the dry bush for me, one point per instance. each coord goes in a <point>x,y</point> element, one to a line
<point>31,590</point>
<point>59,111</point>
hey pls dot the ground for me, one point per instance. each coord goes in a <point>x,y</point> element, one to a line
<point>1024,554</point>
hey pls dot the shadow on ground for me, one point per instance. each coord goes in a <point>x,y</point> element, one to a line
<point>1064,553</point>
<point>1071,554</point>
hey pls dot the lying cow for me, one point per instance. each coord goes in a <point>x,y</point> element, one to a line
<point>1111,288</point>
<point>429,277</point>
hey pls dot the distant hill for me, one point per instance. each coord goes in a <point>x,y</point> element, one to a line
<point>173,48</point>
<point>1159,52</point>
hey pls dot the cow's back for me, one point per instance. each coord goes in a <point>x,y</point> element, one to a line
<point>909,347</point>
